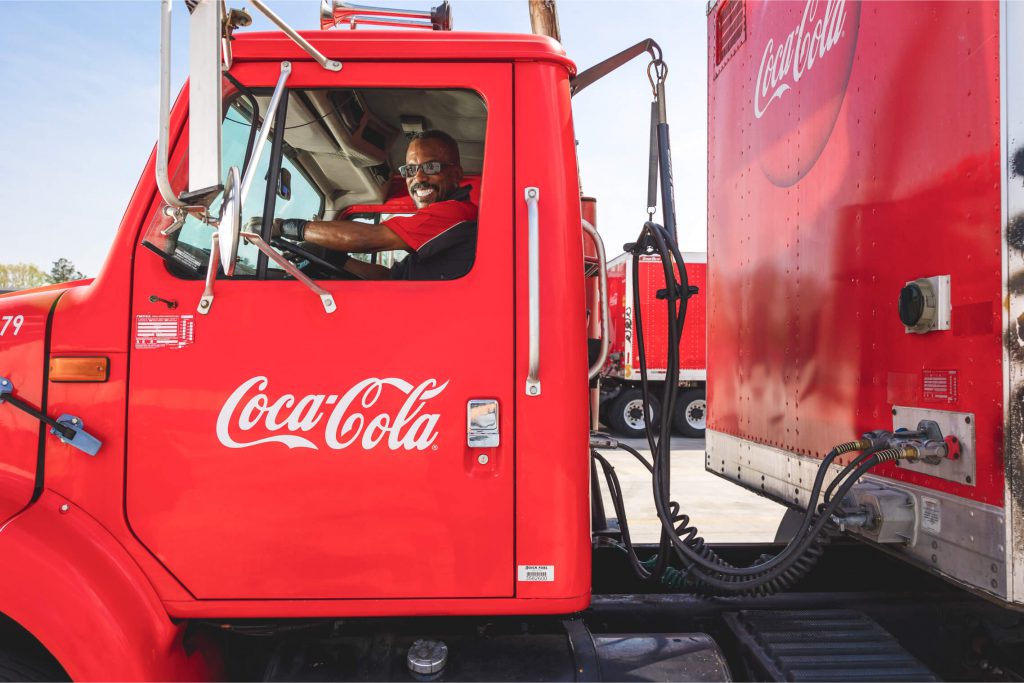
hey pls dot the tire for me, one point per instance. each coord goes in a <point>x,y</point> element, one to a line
<point>690,415</point>
<point>625,414</point>
<point>20,666</point>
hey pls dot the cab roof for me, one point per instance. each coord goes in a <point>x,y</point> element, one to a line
<point>404,45</point>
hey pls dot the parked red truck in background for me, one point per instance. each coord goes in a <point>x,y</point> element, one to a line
<point>222,459</point>
<point>621,394</point>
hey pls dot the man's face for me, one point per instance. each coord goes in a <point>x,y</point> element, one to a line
<point>427,189</point>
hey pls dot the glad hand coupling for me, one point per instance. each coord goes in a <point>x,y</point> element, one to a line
<point>925,444</point>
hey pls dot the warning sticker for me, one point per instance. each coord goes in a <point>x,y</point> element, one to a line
<point>931,515</point>
<point>940,386</point>
<point>536,572</point>
<point>164,331</point>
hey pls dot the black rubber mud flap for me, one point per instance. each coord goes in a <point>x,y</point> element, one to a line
<point>584,652</point>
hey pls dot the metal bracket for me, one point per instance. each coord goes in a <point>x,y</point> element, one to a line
<point>206,300</point>
<point>178,216</point>
<point>80,438</point>
<point>959,465</point>
<point>68,428</point>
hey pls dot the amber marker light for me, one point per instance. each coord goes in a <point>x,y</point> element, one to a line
<point>90,369</point>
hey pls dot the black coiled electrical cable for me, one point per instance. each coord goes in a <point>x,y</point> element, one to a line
<point>709,572</point>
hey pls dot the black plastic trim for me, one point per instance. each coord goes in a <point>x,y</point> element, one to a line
<point>37,492</point>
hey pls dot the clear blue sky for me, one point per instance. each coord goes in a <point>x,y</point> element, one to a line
<point>78,106</point>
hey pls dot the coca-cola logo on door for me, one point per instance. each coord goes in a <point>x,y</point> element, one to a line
<point>803,70</point>
<point>251,416</point>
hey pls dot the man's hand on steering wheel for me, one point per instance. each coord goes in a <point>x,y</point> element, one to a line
<point>290,228</point>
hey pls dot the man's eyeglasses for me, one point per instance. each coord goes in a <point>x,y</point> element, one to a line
<point>430,168</point>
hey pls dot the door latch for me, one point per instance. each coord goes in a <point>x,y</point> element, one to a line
<point>482,423</point>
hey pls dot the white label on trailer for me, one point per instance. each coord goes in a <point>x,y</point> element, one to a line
<point>931,515</point>
<point>536,572</point>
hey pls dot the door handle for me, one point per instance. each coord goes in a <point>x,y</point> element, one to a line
<point>533,279</point>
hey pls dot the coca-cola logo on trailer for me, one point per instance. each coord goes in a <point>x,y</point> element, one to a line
<point>802,73</point>
<point>336,421</point>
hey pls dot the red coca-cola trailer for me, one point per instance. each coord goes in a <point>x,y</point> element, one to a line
<point>621,396</point>
<point>864,204</point>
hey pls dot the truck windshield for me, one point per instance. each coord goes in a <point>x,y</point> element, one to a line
<point>190,247</point>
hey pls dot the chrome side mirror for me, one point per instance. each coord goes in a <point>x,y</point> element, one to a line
<point>230,224</point>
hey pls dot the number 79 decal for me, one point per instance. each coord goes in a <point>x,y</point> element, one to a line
<point>12,323</point>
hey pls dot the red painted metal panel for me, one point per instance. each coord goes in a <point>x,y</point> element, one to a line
<point>22,361</point>
<point>655,318</point>
<point>552,452</point>
<point>94,320</point>
<point>692,345</point>
<point>863,156</point>
<point>395,514</point>
<point>619,312</point>
<point>73,586</point>
<point>352,47</point>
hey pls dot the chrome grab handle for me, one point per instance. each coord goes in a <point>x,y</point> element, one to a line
<point>602,262</point>
<point>533,250</point>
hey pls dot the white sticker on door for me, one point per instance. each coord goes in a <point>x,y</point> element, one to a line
<point>536,572</point>
<point>164,331</point>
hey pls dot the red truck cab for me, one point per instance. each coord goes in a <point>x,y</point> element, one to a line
<point>265,457</point>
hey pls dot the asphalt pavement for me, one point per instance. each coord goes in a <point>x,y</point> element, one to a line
<point>721,510</point>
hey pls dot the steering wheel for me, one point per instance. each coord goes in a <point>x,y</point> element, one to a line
<point>322,263</point>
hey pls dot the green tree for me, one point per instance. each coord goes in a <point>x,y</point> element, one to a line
<point>21,276</point>
<point>64,270</point>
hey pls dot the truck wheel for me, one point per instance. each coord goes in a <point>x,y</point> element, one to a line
<point>19,666</point>
<point>626,413</point>
<point>690,414</point>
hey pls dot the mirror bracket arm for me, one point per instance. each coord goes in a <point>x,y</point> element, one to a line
<point>329,64</point>
<point>206,301</point>
<point>287,266</point>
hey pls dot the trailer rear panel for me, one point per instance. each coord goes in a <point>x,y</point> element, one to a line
<point>854,149</point>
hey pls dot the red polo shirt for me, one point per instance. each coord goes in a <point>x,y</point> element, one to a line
<point>430,221</point>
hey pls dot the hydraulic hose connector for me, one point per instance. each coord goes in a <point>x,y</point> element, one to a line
<point>851,446</point>
<point>898,453</point>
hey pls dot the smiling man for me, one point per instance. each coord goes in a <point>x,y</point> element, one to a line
<point>440,236</point>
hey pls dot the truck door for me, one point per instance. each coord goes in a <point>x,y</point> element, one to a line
<point>278,451</point>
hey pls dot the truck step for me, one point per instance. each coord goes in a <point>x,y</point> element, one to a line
<point>822,645</point>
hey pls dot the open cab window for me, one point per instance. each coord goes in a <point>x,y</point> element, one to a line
<point>340,155</point>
